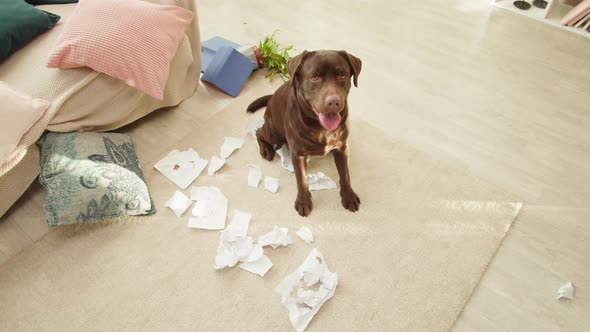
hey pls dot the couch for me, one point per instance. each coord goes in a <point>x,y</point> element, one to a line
<point>82,99</point>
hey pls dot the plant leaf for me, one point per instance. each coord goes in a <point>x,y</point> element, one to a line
<point>274,57</point>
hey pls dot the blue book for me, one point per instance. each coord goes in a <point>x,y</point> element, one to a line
<point>210,46</point>
<point>228,70</point>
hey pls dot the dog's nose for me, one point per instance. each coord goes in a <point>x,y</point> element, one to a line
<point>333,103</point>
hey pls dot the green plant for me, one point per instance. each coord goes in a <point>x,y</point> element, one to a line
<point>274,57</point>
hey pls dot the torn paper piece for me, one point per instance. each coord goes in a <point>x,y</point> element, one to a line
<point>254,125</point>
<point>255,254</point>
<point>300,292</point>
<point>285,156</point>
<point>254,176</point>
<point>271,184</point>
<point>226,256</point>
<point>242,247</point>
<point>234,245</point>
<point>566,291</point>
<point>230,144</point>
<point>320,181</point>
<point>305,234</point>
<point>203,193</point>
<point>286,160</point>
<point>178,203</point>
<point>210,209</point>
<point>260,267</point>
<point>238,226</point>
<point>200,208</point>
<point>230,253</point>
<point>215,164</point>
<point>181,167</point>
<point>279,236</point>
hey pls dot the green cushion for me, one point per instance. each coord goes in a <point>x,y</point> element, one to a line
<point>91,177</point>
<point>49,2</point>
<point>20,23</point>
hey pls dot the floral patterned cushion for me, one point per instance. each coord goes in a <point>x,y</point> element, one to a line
<point>91,177</point>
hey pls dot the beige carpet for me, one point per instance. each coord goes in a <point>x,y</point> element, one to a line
<point>408,260</point>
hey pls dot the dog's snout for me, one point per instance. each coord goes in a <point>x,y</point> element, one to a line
<point>333,103</point>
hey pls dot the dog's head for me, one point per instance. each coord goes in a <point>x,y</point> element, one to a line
<point>322,78</point>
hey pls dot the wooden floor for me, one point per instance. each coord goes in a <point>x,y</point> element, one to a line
<point>504,97</point>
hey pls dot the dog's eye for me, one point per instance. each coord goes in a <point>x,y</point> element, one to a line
<point>315,78</point>
<point>341,77</point>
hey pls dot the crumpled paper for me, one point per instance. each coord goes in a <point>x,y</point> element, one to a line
<point>234,244</point>
<point>230,144</point>
<point>320,181</point>
<point>566,291</point>
<point>215,164</point>
<point>300,292</point>
<point>210,209</point>
<point>178,203</point>
<point>279,236</point>
<point>260,266</point>
<point>181,167</point>
<point>305,234</point>
<point>254,175</point>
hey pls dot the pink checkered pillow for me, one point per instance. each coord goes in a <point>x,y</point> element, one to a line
<point>130,40</point>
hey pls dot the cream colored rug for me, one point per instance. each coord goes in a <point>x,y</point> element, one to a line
<point>408,260</point>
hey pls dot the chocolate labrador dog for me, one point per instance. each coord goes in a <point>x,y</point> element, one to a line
<point>309,113</point>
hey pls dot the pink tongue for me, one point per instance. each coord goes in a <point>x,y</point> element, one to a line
<point>330,120</point>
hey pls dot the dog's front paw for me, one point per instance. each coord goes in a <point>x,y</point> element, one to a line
<point>350,200</point>
<point>303,204</point>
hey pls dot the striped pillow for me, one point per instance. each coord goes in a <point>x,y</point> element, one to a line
<point>130,40</point>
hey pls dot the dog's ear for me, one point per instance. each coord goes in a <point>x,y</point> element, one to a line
<point>355,65</point>
<point>294,64</point>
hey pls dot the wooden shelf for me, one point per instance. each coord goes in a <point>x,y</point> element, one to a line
<point>552,15</point>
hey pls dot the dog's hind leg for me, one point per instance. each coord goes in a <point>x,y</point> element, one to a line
<point>267,141</point>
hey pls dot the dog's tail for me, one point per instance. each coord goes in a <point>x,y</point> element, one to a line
<point>258,104</point>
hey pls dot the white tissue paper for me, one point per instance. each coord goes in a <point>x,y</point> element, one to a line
<point>254,125</point>
<point>285,156</point>
<point>566,291</point>
<point>300,292</point>
<point>230,144</point>
<point>255,254</point>
<point>305,234</point>
<point>178,203</point>
<point>200,209</point>
<point>254,176</point>
<point>271,184</point>
<point>260,266</point>
<point>234,245</point>
<point>210,209</point>
<point>215,164</point>
<point>279,236</point>
<point>181,167</point>
<point>203,193</point>
<point>320,181</point>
